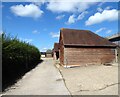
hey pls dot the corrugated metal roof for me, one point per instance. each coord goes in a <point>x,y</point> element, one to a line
<point>117,35</point>
<point>56,46</point>
<point>73,37</point>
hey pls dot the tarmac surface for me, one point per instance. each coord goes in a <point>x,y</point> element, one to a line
<point>45,79</point>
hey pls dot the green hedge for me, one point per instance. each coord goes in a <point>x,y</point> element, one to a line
<point>18,57</point>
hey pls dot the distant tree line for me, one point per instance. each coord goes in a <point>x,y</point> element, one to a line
<point>18,57</point>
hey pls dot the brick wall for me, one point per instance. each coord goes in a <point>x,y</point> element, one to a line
<point>61,50</point>
<point>82,56</point>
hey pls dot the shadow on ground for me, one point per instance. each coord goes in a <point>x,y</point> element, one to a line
<point>12,79</point>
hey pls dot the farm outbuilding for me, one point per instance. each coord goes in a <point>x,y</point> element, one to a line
<point>83,47</point>
<point>43,54</point>
<point>115,38</point>
<point>49,54</point>
<point>56,51</point>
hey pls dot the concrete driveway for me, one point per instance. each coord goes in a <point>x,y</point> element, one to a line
<point>91,80</point>
<point>45,79</point>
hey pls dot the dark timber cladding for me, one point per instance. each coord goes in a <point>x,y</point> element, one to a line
<point>81,47</point>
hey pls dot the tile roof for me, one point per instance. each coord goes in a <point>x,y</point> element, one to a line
<point>56,46</point>
<point>73,37</point>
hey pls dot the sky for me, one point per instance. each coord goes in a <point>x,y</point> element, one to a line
<point>39,23</point>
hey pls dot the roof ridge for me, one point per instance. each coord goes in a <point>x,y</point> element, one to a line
<point>74,29</point>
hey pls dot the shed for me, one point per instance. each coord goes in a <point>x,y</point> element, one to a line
<point>43,54</point>
<point>49,55</point>
<point>56,51</point>
<point>115,38</point>
<point>83,47</point>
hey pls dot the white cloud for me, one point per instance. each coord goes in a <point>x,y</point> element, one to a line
<point>99,9</point>
<point>99,30</point>
<point>39,3</point>
<point>69,6</point>
<point>108,7</point>
<point>82,15</point>
<point>35,32</point>
<point>43,49</point>
<point>108,31</point>
<point>30,10</point>
<point>73,18</point>
<point>106,15</point>
<point>26,40</point>
<point>60,17</point>
<point>55,35</point>
<point>101,3</point>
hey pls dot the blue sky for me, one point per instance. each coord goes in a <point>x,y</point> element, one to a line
<point>39,23</point>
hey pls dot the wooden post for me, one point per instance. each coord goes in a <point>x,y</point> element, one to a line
<point>118,50</point>
<point>116,55</point>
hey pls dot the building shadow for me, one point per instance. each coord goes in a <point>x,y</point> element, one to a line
<point>14,79</point>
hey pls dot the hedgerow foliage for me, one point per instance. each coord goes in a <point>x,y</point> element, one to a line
<point>18,57</point>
